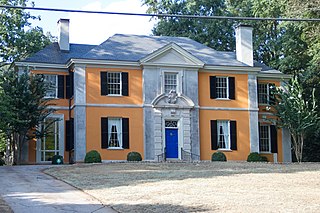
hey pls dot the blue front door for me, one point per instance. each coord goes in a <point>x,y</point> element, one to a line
<point>171,143</point>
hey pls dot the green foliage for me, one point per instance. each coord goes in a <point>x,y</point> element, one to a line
<point>92,156</point>
<point>57,159</point>
<point>18,38</point>
<point>218,156</point>
<point>256,157</point>
<point>2,143</point>
<point>134,156</point>
<point>296,111</point>
<point>22,105</point>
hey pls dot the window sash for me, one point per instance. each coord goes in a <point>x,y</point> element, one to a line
<point>222,87</point>
<point>52,80</point>
<point>223,134</point>
<point>170,82</point>
<point>264,138</point>
<point>263,93</point>
<point>50,143</point>
<point>114,133</point>
<point>114,84</point>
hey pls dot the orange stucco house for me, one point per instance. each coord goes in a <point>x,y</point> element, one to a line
<point>159,96</point>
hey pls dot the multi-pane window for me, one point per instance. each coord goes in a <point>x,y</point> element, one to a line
<point>170,82</point>
<point>223,134</point>
<point>264,138</point>
<point>263,93</point>
<point>222,87</point>
<point>114,83</point>
<point>115,132</point>
<point>52,81</point>
<point>50,143</point>
<point>266,93</point>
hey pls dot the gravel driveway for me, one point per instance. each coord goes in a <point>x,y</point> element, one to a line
<point>199,187</point>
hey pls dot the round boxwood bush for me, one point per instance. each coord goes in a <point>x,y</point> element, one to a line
<point>92,156</point>
<point>134,156</point>
<point>255,157</point>
<point>57,159</point>
<point>2,162</point>
<point>218,156</point>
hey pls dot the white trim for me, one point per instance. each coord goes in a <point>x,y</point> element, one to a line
<point>172,46</point>
<point>109,105</point>
<point>102,62</point>
<point>229,108</point>
<point>58,107</point>
<point>42,65</point>
<point>273,76</point>
<point>246,69</point>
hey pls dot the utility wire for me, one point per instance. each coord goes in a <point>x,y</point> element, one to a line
<point>163,15</point>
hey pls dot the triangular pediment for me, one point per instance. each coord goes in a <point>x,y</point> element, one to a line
<point>172,54</point>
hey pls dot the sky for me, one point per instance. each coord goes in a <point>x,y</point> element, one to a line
<point>93,28</point>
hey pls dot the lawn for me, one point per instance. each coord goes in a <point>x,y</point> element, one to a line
<point>198,187</point>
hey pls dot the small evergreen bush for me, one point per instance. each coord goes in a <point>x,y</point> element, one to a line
<point>218,156</point>
<point>134,156</point>
<point>92,156</point>
<point>256,157</point>
<point>2,162</point>
<point>57,159</point>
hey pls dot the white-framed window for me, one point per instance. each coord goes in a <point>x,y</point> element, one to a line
<point>170,82</point>
<point>263,93</point>
<point>114,83</point>
<point>114,133</point>
<point>264,138</point>
<point>50,143</point>
<point>223,130</point>
<point>222,87</point>
<point>52,91</point>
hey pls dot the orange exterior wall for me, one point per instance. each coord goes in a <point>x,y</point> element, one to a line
<point>241,91</point>
<point>136,132</point>
<point>243,133</point>
<point>94,91</point>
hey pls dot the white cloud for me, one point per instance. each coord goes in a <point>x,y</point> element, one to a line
<point>94,28</point>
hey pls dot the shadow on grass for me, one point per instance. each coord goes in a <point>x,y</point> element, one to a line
<point>157,208</point>
<point>129,174</point>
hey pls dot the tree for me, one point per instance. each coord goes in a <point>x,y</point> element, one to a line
<point>297,112</point>
<point>23,108</point>
<point>18,38</point>
<point>217,34</point>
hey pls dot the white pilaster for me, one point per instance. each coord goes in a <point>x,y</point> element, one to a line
<point>253,107</point>
<point>79,113</point>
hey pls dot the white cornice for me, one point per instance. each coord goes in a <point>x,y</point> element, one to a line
<point>102,62</point>
<point>41,65</point>
<point>195,62</point>
<point>273,76</point>
<point>209,68</point>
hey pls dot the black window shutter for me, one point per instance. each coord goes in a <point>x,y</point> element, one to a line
<point>214,135</point>
<point>272,98</point>
<point>125,84</point>
<point>68,87</point>
<point>69,135</point>
<point>125,133</point>
<point>60,86</point>
<point>233,135</point>
<point>104,83</point>
<point>232,88</point>
<point>274,142</point>
<point>213,93</point>
<point>104,133</point>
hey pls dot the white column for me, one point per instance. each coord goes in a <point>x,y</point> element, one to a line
<point>79,113</point>
<point>253,113</point>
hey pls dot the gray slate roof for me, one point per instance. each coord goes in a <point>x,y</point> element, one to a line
<point>121,47</point>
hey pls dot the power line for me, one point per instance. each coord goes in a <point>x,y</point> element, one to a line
<point>163,15</point>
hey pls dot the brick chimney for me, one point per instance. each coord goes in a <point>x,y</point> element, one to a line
<point>63,35</point>
<point>244,46</point>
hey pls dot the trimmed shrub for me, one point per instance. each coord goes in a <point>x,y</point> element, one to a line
<point>57,159</point>
<point>92,156</point>
<point>134,156</point>
<point>2,162</point>
<point>256,157</point>
<point>218,156</point>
